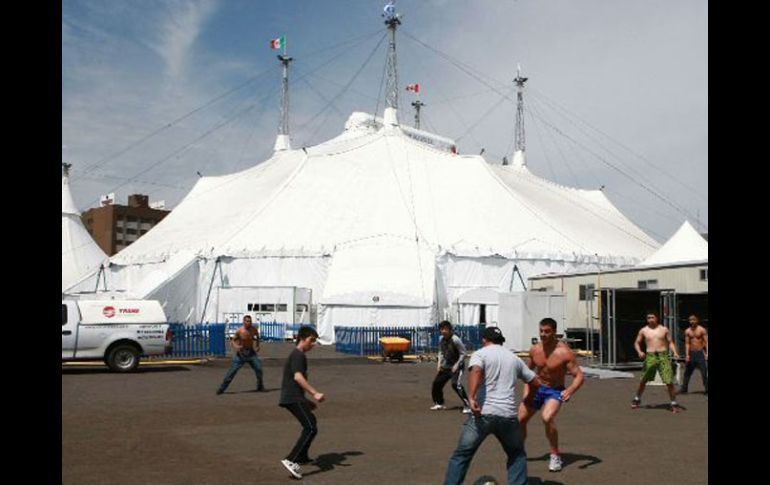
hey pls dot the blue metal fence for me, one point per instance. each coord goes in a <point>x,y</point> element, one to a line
<point>212,339</point>
<point>271,331</point>
<point>366,340</point>
<point>198,340</point>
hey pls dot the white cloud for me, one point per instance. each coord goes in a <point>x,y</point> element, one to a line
<point>179,31</point>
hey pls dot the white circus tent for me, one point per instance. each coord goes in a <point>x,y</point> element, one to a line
<point>385,224</point>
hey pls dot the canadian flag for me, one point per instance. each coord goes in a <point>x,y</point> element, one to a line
<point>413,87</point>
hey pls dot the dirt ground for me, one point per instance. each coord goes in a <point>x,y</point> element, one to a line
<point>166,425</point>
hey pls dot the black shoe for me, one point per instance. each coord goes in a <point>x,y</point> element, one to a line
<point>262,389</point>
<point>219,391</point>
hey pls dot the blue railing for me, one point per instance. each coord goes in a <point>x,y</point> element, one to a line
<point>212,339</point>
<point>271,331</point>
<point>198,340</point>
<point>366,340</point>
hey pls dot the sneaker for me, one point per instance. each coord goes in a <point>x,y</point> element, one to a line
<point>437,407</point>
<point>467,411</point>
<point>292,467</point>
<point>675,408</point>
<point>555,464</point>
<point>635,403</point>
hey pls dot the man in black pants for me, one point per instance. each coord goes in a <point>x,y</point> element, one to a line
<point>451,362</point>
<point>696,340</point>
<point>293,399</point>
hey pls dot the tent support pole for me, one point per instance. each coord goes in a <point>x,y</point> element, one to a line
<point>208,294</point>
<point>98,276</point>
<point>513,274</point>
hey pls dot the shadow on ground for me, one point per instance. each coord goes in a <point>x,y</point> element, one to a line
<point>567,459</point>
<point>328,461</point>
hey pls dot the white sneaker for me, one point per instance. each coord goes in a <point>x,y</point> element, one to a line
<point>467,411</point>
<point>555,464</point>
<point>437,407</point>
<point>292,467</point>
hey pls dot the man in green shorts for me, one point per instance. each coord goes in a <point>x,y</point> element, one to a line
<point>657,340</point>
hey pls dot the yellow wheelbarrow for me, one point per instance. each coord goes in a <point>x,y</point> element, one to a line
<point>394,348</point>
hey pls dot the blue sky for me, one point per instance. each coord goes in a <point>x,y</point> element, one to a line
<point>636,71</point>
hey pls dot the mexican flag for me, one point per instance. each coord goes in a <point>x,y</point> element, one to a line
<point>278,43</point>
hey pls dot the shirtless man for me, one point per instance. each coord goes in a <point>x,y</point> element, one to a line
<point>657,340</point>
<point>696,340</point>
<point>551,360</point>
<point>245,344</point>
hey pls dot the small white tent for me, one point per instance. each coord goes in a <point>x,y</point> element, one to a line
<point>685,245</point>
<point>80,255</point>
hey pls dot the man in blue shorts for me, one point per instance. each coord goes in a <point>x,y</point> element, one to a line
<point>551,360</point>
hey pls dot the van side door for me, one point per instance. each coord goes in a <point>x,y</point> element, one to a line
<point>70,317</point>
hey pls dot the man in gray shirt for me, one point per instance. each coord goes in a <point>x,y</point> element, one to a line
<point>492,386</point>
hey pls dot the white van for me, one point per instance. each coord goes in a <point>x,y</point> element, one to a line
<point>118,332</point>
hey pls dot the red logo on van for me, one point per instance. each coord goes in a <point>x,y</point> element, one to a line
<point>109,311</point>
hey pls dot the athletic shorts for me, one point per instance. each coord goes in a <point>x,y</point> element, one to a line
<point>658,362</point>
<point>545,393</point>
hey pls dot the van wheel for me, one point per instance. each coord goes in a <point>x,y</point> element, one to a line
<point>123,358</point>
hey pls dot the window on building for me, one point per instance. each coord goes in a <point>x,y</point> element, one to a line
<point>704,274</point>
<point>250,307</point>
<point>119,236</point>
<point>647,284</point>
<point>281,307</point>
<point>301,307</point>
<point>267,307</point>
<point>130,231</point>
<point>131,218</point>
<point>587,292</point>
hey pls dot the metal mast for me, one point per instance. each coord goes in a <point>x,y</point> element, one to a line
<point>392,20</point>
<point>283,141</point>
<point>519,137</point>
<point>417,105</point>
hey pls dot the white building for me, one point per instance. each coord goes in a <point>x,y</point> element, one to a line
<point>681,264</point>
